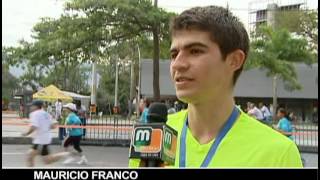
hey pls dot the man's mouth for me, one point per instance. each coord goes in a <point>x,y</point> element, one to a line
<point>180,79</point>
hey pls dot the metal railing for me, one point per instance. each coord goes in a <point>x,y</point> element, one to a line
<point>305,135</point>
<point>108,130</point>
<point>117,130</point>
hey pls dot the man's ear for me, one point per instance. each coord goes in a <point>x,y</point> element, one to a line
<point>236,59</point>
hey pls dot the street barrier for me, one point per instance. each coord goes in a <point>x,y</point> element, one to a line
<point>106,130</point>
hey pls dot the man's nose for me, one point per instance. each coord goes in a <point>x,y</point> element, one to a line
<point>180,62</point>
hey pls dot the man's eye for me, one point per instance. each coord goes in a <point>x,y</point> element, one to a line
<point>173,55</point>
<point>195,51</point>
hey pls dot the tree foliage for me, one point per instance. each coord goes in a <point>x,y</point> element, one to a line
<point>91,31</point>
<point>9,83</point>
<point>277,51</point>
<point>106,90</point>
<point>302,22</point>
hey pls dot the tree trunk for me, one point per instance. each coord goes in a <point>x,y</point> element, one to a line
<point>139,83</point>
<point>94,84</point>
<point>131,88</point>
<point>274,105</point>
<point>116,84</point>
<point>156,57</point>
<point>65,76</point>
<point>55,71</point>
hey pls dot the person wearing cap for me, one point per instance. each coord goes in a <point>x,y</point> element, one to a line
<point>41,124</point>
<point>74,134</point>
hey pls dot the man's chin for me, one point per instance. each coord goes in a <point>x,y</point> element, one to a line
<point>184,97</point>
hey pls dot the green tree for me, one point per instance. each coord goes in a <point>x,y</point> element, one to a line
<point>120,20</point>
<point>76,79</point>
<point>9,83</point>
<point>106,89</point>
<point>92,31</point>
<point>277,51</point>
<point>302,22</point>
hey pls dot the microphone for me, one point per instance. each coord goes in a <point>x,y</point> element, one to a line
<point>154,142</point>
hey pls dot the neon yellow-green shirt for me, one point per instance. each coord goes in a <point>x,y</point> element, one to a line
<point>249,143</point>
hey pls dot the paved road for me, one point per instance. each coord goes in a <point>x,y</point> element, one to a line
<point>311,159</point>
<point>98,156</point>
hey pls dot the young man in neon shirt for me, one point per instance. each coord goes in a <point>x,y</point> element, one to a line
<point>209,48</point>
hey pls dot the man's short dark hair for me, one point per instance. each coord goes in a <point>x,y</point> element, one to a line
<point>225,29</point>
<point>147,102</point>
<point>283,111</point>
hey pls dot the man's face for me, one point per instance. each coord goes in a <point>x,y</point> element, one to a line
<point>280,115</point>
<point>197,69</point>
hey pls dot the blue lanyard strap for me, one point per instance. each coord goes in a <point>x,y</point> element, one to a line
<point>227,126</point>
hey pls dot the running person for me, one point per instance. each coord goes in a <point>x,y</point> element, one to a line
<point>41,124</point>
<point>209,47</point>
<point>74,134</point>
<point>284,125</point>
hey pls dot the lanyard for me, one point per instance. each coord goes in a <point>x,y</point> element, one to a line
<point>227,126</point>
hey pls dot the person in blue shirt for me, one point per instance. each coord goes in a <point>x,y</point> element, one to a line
<point>284,125</point>
<point>143,118</point>
<point>74,134</point>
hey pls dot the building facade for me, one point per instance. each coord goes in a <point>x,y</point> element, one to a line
<point>253,85</point>
<point>260,10</point>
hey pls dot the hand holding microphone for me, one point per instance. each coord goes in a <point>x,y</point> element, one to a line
<point>154,142</point>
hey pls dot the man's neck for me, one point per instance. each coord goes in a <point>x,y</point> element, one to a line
<point>207,118</point>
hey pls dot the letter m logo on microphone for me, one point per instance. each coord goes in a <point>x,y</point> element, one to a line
<point>167,139</point>
<point>147,140</point>
<point>142,137</point>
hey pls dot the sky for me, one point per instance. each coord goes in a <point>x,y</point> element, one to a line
<point>19,16</point>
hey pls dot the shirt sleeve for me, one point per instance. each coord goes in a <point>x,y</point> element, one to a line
<point>291,157</point>
<point>34,120</point>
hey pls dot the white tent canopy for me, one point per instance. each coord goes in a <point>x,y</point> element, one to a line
<point>85,100</point>
<point>75,95</point>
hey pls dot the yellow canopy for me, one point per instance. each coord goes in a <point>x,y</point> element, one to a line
<point>51,93</point>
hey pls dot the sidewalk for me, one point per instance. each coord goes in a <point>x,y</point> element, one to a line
<point>13,126</point>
